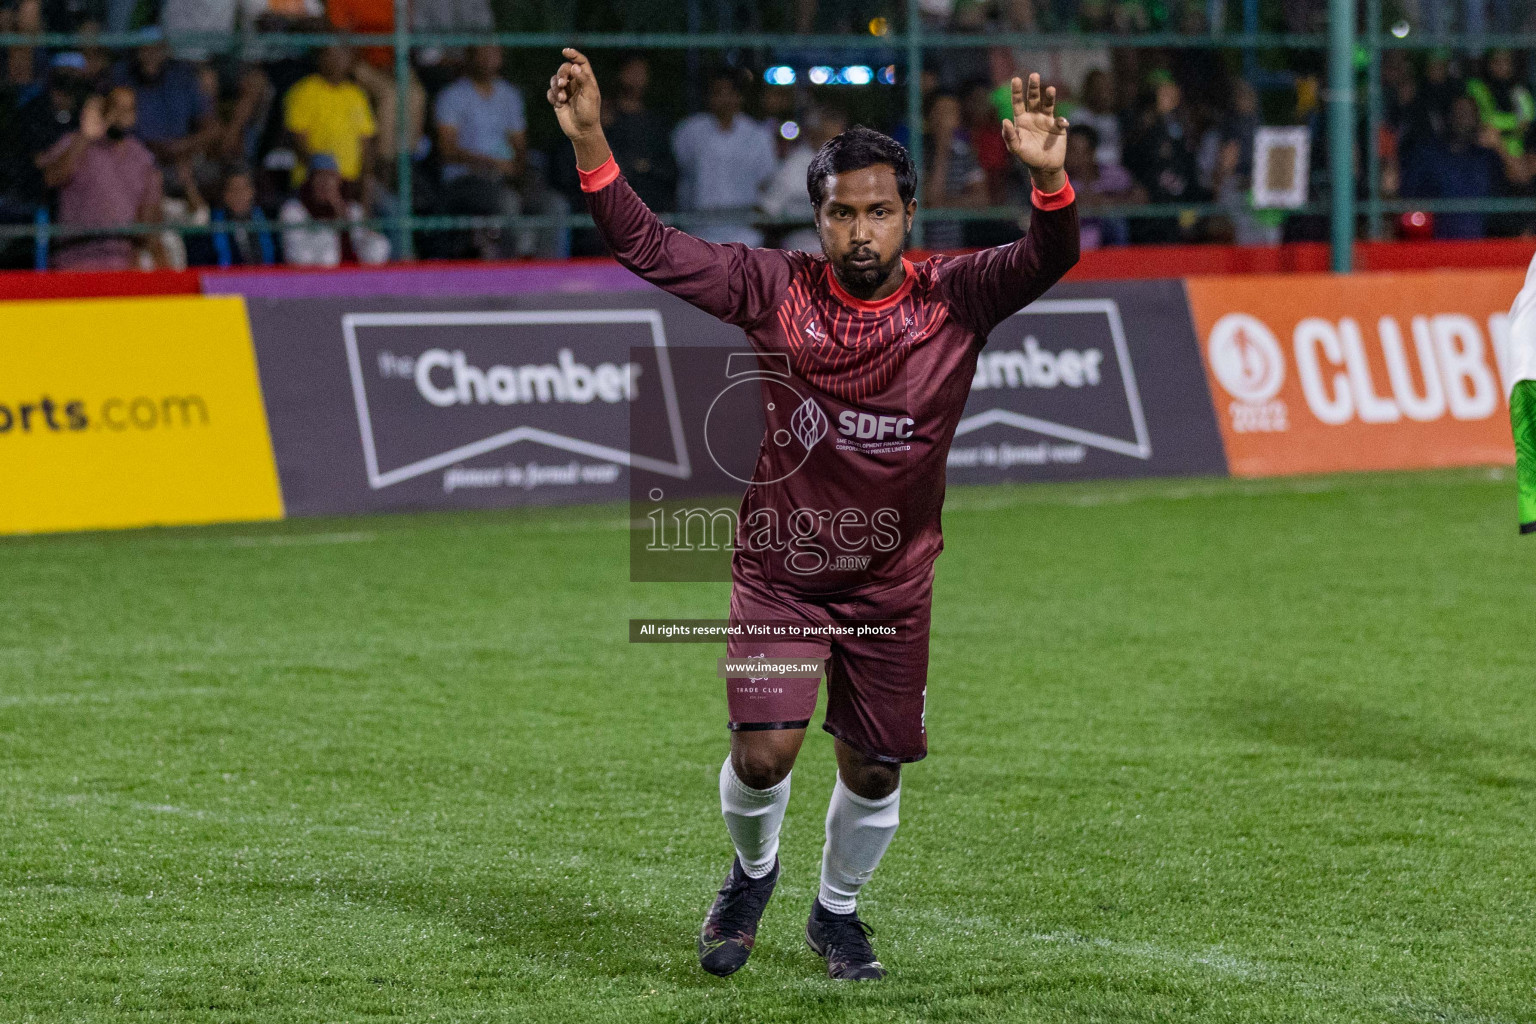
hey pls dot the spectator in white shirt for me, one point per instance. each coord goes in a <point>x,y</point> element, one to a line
<point>309,245</point>
<point>786,191</point>
<point>723,159</point>
<point>1097,110</point>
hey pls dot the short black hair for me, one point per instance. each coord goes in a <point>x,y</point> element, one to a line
<point>854,150</point>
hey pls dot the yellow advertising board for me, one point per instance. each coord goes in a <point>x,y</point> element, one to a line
<point>131,412</point>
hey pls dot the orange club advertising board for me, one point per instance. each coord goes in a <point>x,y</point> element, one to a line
<point>1318,373</point>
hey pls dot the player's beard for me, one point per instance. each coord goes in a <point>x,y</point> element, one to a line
<point>862,279</point>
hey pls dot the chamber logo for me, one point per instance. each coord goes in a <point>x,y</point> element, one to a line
<point>1059,369</point>
<point>560,381</point>
<point>1246,358</point>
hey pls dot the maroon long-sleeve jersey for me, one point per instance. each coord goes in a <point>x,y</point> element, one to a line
<point>861,399</point>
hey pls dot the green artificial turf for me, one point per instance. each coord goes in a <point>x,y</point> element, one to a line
<point>1200,751</point>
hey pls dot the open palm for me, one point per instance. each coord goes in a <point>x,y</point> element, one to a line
<point>1035,134</point>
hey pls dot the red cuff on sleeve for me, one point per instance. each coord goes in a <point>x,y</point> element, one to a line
<point>602,177</point>
<point>1044,200</point>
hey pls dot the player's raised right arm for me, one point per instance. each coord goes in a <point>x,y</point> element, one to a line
<point>740,285</point>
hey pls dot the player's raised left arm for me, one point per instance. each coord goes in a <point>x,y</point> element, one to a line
<point>578,107</point>
<point>1037,135</point>
<point>988,286</point>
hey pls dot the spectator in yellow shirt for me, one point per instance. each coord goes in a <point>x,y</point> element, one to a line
<point>327,112</point>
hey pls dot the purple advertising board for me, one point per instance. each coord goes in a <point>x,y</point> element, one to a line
<point>379,404</point>
<point>1098,379</point>
<point>404,402</point>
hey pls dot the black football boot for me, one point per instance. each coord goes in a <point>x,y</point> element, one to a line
<point>731,927</point>
<point>844,941</point>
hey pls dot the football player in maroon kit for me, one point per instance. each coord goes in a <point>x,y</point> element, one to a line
<point>884,349</point>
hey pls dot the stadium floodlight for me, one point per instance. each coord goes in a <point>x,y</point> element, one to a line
<point>779,74</point>
<point>819,75</point>
<point>856,74</point>
<point>886,75</point>
<point>789,130</point>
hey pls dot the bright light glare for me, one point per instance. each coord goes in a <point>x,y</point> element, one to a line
<point>887,75</point>
<point>857,74</point>
<point>1401,29</point>
<point>779,74</point>
<point>819,75</point>
<point>789,130</point>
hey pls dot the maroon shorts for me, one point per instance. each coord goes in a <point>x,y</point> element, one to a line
<point>877,685</point>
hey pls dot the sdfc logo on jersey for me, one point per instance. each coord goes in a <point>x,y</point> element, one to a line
<point>809,423</point>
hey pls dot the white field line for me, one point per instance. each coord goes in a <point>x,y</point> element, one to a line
<point>283,540</point>
<point>1172,490</point>
<point>957,500</point>
<point>1185,490</point>
<point>274,819</point>
<point>1216,959</point>
<point>586,525</point>
<point>275,540</point>
<point>1418,1010</point>
<point>1213,958</point>
<point>104,697</point>
<point>101,539</point>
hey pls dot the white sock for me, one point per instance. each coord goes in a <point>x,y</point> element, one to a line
<point>858,831</point>
<point>753,817</point>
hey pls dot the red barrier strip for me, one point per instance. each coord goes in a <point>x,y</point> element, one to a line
<point>96,284</point>
<point>1131,262</point>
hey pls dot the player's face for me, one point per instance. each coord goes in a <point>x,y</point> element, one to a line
<point>863,226</point>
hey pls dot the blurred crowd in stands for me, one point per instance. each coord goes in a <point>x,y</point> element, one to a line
<point>297,147</point>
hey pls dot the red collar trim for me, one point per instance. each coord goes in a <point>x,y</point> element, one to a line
<point>881,304</point>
